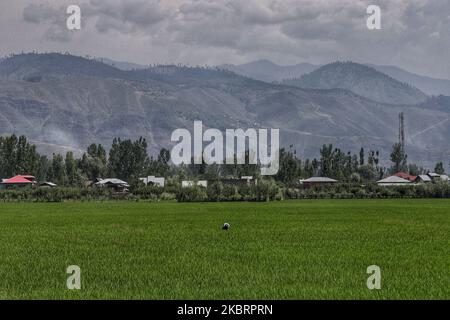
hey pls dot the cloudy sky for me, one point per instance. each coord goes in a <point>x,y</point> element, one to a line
<point>415,33</point>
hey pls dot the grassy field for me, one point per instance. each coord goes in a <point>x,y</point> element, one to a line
<point>279,250</point>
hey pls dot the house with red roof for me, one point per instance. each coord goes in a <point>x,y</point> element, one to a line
<point>19,181</point>
<point>406,176</point>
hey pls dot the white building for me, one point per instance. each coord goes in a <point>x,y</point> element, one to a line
<point>436,177</point>
<point>190,183</point>
<point>152,180</point>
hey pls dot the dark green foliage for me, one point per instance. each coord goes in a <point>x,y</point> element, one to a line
<point>192,194</point>
<point>160,166</point>
<point>93,162</point>
<point>17,156</point>
<point>215,191</point>
<point>290,168</point>
<point>58,170</point>
<point>55,194</point>
<point>127,159</point>
<point>399,158</point>
<point>370,191</point>
<point>439,168</point>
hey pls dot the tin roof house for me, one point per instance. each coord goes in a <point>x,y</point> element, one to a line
<point>116,184</point>
<point>423,178</point>
<point>393,181</point>
<point>317,181</point>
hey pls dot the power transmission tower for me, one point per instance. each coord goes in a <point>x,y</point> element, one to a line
<point>401,131</point>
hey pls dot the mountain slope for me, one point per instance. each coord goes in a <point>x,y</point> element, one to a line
<point>362,80</point>
<point>122,65</point>
<point>69,108</point>
<point>428,85</point>
<point>34,67</point>
<point>268,71</point>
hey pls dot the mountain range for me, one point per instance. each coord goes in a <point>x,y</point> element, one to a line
<point>268,71</point>
<point>64,102</point>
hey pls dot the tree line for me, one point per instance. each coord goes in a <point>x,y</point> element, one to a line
<point>128,160</point>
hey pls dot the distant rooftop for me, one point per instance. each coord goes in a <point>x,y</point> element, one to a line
<point>424,177</point>
<point>406,176</point>
<point>393,179</point>
<point>112,181</point>
<point>20,179</point>
<point>434,175</point>
<point>319,179</point>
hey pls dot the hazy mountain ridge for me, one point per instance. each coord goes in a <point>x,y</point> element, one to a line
<point>28,66</point>
<point>122,65</point>
<point>77,102</point>
<point>268,71</point>
<point>362,80</point>
<point>430,86</point>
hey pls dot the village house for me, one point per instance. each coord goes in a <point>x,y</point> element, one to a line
<point>155,181</point>
<point>393,181</point>
<point>317,181</point>
<point>434,176</point>
<point>47,184</point>
<point>423,178</point>
<point>116,184</point>
<point>250,180</point>
<point>243,181</point>
<point>18,182</point>
<point>406,176</point>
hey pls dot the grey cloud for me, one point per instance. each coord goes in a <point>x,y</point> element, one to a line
<point>38,13</point>
<point>53,17</point>
<point>125,16</point>
<point>59,34</point>
<point>416,33</point>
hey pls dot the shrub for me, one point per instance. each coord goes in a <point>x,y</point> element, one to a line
<point>191,194</point>
<point>214,191</point>
<point>266,190</point>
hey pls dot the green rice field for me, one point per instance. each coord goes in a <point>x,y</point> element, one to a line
<point>307,249</point>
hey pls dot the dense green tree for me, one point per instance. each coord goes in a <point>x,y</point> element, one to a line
<point>373,158</point>
<point>326,161</point>
<point>93,163</point>
<point>415,170</point>
<point>289,170</point>
<point>17,156</point>
<point>73,175</point>
<point>439,168</point>
<point>361,157</point>
<point>43,171</point>
<point>160,166</point>
<point>368,172</point>
<point>128,159</point>
<point>58,170</point>
<point>398,157</point>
